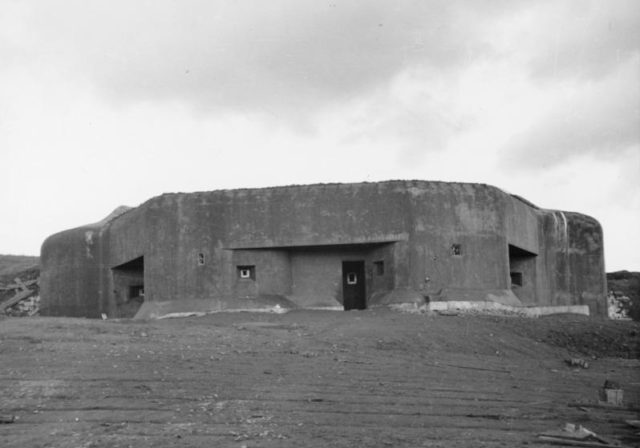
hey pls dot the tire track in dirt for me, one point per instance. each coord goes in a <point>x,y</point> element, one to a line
<point>333,379</point>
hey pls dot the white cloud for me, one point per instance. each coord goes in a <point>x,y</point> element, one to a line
<point>280,57</point>
<point>601,117</point>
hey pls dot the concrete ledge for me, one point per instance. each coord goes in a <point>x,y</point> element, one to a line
<point>484,307</point>
<point>503,296</point>
<point>529,311</point>
<point>184,308</point>
<point>161,310</point>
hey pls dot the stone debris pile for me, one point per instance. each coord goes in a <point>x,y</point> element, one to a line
<point>618,305</point>
<point>20,297</point>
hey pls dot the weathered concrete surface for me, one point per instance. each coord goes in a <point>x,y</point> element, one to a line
<point>436,240</point>
<point>309,379</point>
<point>496,307</point>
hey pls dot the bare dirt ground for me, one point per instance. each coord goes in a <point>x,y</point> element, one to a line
<point>373,378</point>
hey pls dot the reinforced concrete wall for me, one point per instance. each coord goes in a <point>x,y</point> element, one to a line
<point>415,240</point>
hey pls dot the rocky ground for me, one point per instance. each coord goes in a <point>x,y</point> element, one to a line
<point>624,286</point>
<point>373,378</point>
<point>19,274</point>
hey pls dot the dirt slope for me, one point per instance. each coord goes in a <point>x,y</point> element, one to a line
<point>307,378</point>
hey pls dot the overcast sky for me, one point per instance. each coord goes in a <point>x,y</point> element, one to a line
<point>108,103</point>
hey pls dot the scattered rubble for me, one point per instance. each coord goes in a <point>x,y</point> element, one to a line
<point>577,362</point>
<point>21,297</point>
<point>577,435</point>
<point>624,294</point>
<point>618,306</point>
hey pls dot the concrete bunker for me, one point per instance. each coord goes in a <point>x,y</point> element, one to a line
<point>339,246</point>
<point>128,286</point>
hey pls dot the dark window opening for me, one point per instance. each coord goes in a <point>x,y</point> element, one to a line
<point>352,278</point>
<point>379,267</point>
<point>247,272</point>
<point>456,249</point>
<point>516,279</point>
<point>136,291</point>
<point>200,259</point>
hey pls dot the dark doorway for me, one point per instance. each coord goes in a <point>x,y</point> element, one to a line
<point>522,273</point>
<point>128,287</point>
<point>353,285</point>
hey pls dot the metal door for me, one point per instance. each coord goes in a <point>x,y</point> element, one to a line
<point>353,285</point>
